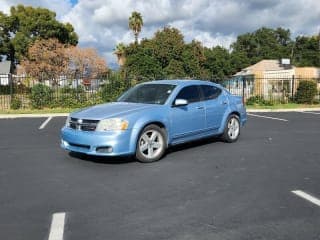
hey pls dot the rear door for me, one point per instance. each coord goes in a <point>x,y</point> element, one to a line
<point>216,103</point>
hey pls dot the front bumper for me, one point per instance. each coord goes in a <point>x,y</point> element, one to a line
<point>113,143</point>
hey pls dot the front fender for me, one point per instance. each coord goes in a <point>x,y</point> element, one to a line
<point>142,122</point>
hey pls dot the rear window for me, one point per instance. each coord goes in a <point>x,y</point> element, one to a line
<point>210,92</point>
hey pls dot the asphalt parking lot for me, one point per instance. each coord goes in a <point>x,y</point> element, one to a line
<point>203,190</point>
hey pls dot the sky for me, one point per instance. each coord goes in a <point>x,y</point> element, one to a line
<point>104,23</point>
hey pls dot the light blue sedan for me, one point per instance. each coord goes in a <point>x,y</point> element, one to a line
<point>152,116</point>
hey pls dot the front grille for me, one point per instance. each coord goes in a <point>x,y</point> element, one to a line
<point>83,124</point>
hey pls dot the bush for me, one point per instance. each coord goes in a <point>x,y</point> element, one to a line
<point>70,98</point>
<point>40,96</point>
<point>113,89</point>
<point>16,103</point>
<point>258,101</point>
<point>5,89</point>
<point>306,92</point>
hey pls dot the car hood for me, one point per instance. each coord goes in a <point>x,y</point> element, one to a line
<point>109,110</point>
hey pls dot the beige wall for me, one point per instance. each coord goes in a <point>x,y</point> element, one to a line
<point>258,82</point>
<point>307,72</point>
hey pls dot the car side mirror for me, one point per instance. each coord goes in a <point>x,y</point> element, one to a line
<point>180,102</point>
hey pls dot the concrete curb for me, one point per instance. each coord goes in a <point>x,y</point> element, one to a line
<point>38,115</point>
<point>45,115</point>
<point>284,110</point>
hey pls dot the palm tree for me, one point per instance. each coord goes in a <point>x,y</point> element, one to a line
<point>135,24</point>
<point>120,52</point>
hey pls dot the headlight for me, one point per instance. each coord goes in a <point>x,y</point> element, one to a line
<point>68,121</point>
<point>112,124</point>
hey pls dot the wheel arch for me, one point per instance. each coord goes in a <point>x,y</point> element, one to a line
<point>234,113</point>
<point>139,129</point>
<point>159,124</point>
<point>225,117</point>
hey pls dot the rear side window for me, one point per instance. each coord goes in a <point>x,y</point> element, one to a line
<point>210,92</point>
<point>189,93</point>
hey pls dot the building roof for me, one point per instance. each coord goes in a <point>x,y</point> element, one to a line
<point>180,82</point>
<point>5,67</point>
<point>264,65</point>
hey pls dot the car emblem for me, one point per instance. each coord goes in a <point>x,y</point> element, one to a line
<point>79,123</point>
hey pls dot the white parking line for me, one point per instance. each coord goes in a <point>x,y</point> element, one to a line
<point>307,196</point>
<point>315,113</point>
<point>44,124</point>
<point>261,116</point>
<point>57,226</point>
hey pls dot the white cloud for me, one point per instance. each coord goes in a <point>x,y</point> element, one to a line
<point>61,7</point>
<point>104,23</point>
<point>217,40</point>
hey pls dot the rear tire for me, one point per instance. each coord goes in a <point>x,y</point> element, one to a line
<point>232,129</point>
<point>152,144</point>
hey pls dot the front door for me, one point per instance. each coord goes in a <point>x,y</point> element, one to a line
<point>188,121</point>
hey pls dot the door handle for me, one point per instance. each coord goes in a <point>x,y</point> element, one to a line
<point>199,107</point>
<point>224,103</point>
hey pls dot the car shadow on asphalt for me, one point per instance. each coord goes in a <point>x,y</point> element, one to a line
<point>102,159</point>
<point>131,159</point>
<point>193,144</point>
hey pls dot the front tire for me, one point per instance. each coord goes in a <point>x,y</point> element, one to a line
<point>152,144</point>
<point>232,129</point>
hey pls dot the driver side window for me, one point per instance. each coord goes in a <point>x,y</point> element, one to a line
<point>189,93</point>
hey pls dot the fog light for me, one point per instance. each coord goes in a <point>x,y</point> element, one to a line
<point>64,143</point>
<point>104,149</point>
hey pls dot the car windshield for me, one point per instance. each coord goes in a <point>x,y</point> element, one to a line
<point>148,93</point>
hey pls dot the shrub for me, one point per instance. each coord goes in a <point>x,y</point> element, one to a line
<point>5,89</point>
<point>112,90</point>
<point>258,100</point>
<point>16,103</point>
<point>70,98</point>
<point>40,96</point>
<point>306,91</point>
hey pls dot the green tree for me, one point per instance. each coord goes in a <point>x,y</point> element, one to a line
<point>264,43</point>
<point>120,53</point>
<point>168,44</point>
<point>135,24</point>
<point>218,62</point>
<point>141,61</point>
<point>159,56</point>
<point>24,25</point>
<point>193,58</point>
<point>238,61</point>
<point>175,69</point>
<point>306,51</point>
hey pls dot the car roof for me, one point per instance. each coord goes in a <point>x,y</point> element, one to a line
<point>182,82</point>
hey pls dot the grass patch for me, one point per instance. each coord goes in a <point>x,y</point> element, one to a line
<point>68,110</point>
<point>37,111</point>
<point>284,106</point>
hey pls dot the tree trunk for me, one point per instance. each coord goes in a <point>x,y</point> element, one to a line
<point>136,37</point>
